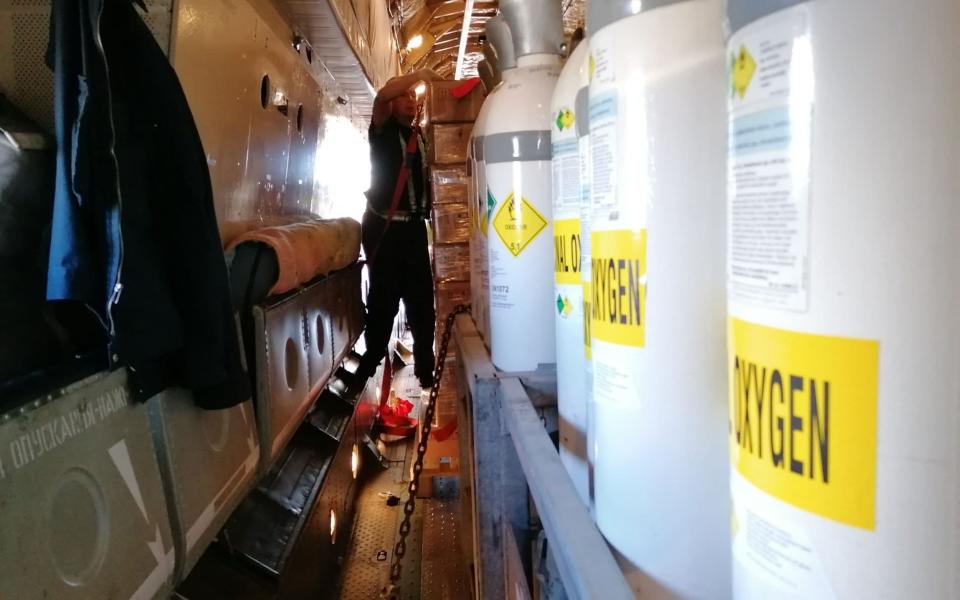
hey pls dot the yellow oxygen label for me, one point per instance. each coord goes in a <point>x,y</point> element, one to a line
<point>566,251</point>
<point>803,419</point>
<point>619,286</point>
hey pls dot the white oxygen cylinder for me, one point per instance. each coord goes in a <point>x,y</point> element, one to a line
<point>477,248</point>
<point>516,152</point>
<point>658,300</point>
<point>843,285</point>
<point>498,53</point>
<point>582,127</point>
<point>568,285</point>
<point>480,278</point>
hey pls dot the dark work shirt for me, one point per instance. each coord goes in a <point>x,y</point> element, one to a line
<point>386,157</point>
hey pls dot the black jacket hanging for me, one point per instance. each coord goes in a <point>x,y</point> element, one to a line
<point>135,233</point>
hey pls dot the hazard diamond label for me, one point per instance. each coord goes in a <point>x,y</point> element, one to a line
<point>564,306</point>
<point>486,212</point>
<point>742,68</point>
<point>564,119</point>
<point>518,223</point>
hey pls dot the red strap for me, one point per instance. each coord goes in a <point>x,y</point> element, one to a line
<point>446,431</point>
<point>465,88</point>
<point>404,174</point>
<point>397,425</point>
<point>398,189</point>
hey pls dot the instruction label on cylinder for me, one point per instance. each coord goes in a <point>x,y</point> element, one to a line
<point>771,109</point>
<point>603,155</point>
<point>774,548</point>
<point>803,419</point>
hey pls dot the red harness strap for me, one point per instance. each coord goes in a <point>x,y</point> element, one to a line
<point>402,177</point>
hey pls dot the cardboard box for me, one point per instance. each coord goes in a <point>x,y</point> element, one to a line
<point>441,458</point>
<point>448,295</point>
<point>449,184</point>
<point>443,107</point>
<point>450,194</point>
<point>447,143</point>
<point>451,262</point>
<point>443,175</point>
<point>451,223</point>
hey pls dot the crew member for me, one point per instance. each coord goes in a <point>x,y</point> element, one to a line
<point>394,233</point>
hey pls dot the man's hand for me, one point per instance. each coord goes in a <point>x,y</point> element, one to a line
<point>396,87</point>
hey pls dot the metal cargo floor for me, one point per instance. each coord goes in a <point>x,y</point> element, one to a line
<point>433,567</point>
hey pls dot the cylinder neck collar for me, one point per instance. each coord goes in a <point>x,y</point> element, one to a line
<point>536,60</point>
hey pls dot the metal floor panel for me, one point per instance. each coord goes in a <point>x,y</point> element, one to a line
<point>433,566</point>
<point>367,567</point>
<point>443,575</point>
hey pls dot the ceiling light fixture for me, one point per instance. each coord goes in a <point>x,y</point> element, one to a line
<point>414,42</point>
<point>464,32</point>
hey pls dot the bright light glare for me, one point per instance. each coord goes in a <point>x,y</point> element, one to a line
<point>333,527</point>
<point>464,32</point>
<point>355,461</point>
<point>342,170</point>
<point>420,89</point>
<point>415,42</point>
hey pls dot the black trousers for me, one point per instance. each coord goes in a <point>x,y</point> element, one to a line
<point>400,271</point>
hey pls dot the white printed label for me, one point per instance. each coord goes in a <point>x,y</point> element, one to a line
<point>771,106</point>
<point>585,209</point>
<point>600,62</point>
<point>777,553</point>
<point>603,155</point>
<point>614,368</point>
<point>566,179</point>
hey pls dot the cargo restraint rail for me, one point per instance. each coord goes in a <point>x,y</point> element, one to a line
<point>509,459</point>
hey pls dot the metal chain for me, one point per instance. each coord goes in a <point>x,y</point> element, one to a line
<point>401,548</point>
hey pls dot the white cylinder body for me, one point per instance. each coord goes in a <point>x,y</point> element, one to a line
<point>472,186</point>
<point>567,261</point>
<point>479,222</point>
<point>658,301</point>
<point>845,333</point>
<point>516,148</point>
<point>582,126</point>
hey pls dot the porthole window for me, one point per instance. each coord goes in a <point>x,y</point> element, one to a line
<point>265,91</point>
<point>321,338</point>
<point>292,364</point>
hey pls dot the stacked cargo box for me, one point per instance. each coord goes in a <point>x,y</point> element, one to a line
<point>449,124</point>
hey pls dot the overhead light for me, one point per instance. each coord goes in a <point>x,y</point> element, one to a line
<point>464,32</point>
<point>415,42</point>
<point>355,461</point>
<point>420,89</point>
